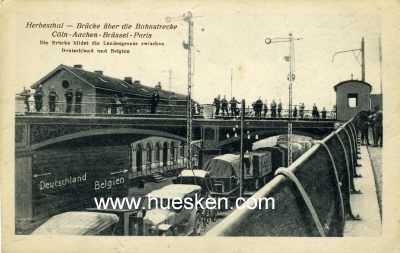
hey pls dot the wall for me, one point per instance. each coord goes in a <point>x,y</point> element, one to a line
<point>94,166</point>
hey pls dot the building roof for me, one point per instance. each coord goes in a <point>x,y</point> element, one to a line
<point>352,81</point>
<point>100,81</point>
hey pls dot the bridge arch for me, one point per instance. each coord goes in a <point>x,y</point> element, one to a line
<point>105,131</point>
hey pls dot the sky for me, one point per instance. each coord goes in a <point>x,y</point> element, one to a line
<point>226,37</point>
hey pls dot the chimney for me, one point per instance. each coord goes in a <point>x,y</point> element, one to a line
<point>78,66</point>
<point>137,82</point>
<point>100,72</point>
<point>128,79</point>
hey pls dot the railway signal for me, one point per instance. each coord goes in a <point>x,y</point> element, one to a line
<point>290,78</point>
<point>188,46</point>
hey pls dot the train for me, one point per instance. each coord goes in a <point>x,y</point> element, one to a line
<point>259,165</point>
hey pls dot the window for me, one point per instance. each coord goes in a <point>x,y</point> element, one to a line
<point>352,100</point>
<point>209,134</point>
<point>139,157</point>
<point>181,150</point>
<point>148,153</point>
<point>158,152</point>
<point>65,84</point>
<point>172,151</point>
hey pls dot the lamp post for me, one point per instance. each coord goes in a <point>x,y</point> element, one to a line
<point>290,78</point>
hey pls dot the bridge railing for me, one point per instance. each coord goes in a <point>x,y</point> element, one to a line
<point>168,110</point>
<point>311,197</point>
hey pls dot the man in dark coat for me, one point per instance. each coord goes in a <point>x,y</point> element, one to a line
<point>155,98</point>
<point>301,111</point>
<point>217,104</point>
<point>52,99</point>
<point>295,112</point>
<point>114,100</point>
<point>323,113</point>
<point>315,112</point>
<point>124,103</point>
<point>378,138</point>
<point>273,109</point>
<point>265,108</point>
<point>280,109</point>
<point>38,96</point>
<point>224,106</point>
<point>69,97</point>
<point>259,106</point>
<point>26,94</point>
<point>233,104</point>
<point>78,100</point>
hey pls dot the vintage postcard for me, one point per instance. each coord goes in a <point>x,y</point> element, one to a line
<point>226,126</point>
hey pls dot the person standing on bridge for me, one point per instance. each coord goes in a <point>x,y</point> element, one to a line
<point>155,98</point>
<point>124,103</point>
<point>52,99</point>
<point>224,106</point>
<point>315,113</point>
<point>78,100</point>
<point>233,104</point>
<point>280,109</point>
<point>301,112</point>
<point>273,109</point>
<point>26,94</point>
<point>323,113</point>
<point>217,104</point>
<point>265,108</point>
<point>69,97</point>
<point>38,96</point>
<point>295,112</point>
<point>114,100</point>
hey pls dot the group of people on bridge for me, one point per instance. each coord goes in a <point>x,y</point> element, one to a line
<point>260,109</point>
<point>52,96</point>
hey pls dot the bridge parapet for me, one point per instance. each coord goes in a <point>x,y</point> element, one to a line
<point>312,196</point>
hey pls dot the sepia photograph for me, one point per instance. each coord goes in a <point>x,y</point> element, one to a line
<point>130,120</point>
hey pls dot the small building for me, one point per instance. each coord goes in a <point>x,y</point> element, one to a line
<point>98,90</point>
<point>352,96</point>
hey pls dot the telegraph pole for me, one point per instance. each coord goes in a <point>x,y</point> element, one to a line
<point>241,168</point>
<point>362,59</point>
<point>380,63</point>
<point>231,82</point>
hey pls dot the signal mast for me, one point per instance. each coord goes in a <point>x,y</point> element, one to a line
<point>290,78</point>
<point>189,118</point>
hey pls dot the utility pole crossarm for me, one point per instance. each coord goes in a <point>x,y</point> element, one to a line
<point>345,51</point>
<point>362,51</point>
